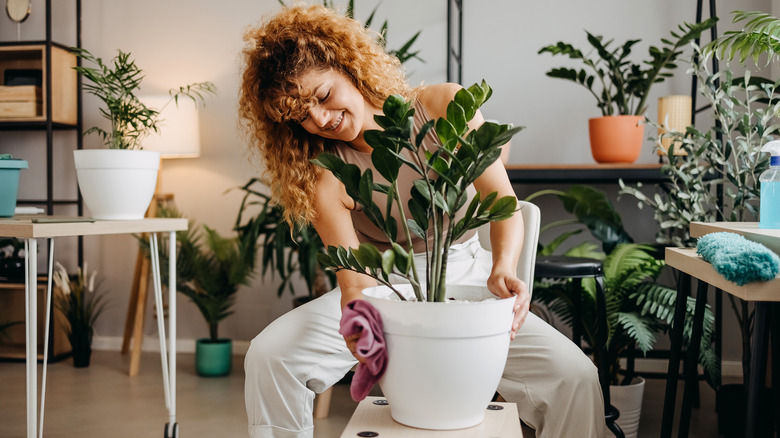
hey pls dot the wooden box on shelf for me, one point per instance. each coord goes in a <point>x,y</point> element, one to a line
<point>12,342</point>
<point>20,101</point>
<point>64,83</point>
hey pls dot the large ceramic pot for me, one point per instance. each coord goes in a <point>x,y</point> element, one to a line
<point>117,184</point>
<point>628,400</point>
<point>616,139</point>
<point>213,359</point>
<point>445,360</point>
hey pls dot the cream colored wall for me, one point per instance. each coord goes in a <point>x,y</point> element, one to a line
<point>181,41</point>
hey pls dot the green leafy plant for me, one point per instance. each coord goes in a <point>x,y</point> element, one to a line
<point>285,251</point>
<point>445,173</point>
<point>638,307</point>
<point>760,36</point>
<point>619,85</point>
<point>116,84</point>
<point>727,156</point>
<point>210,268</point>
<point>81,305</point>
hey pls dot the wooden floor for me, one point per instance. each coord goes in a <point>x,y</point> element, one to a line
<point>102,401</point>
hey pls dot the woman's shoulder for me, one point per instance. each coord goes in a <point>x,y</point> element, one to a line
<point>436,97</point>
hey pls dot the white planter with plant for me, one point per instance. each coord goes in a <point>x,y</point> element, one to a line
<point>118,183</point>
<point>436,395</point>
<point>621,87</point>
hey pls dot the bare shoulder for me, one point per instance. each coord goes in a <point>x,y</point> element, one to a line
<point>436,97</point>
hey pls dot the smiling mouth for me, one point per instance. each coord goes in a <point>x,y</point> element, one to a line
<point>336,123</point>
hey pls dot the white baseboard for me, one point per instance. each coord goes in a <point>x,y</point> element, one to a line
<point>152,343</point>
<point>729,368</point>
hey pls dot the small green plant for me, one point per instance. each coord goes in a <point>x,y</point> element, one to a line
<point>444,173</point>
<point>81,304</point>
<point>759,36</point>
<point>116,85</point>
<point>619,85</point>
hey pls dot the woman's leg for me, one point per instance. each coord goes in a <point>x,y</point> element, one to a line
<point>299,354</point>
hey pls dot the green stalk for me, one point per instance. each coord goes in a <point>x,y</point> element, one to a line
<point>408,234</point>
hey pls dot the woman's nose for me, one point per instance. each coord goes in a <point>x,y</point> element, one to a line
<point>319,116</point>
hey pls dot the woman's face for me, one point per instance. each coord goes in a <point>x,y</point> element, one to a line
<point>341,111</point>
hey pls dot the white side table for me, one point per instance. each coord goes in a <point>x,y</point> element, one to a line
<point>50,227</point>
<point>372,419</point>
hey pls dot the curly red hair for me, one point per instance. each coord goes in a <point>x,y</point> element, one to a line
<point>279,51</point>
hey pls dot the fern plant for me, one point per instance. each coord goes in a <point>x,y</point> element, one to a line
<point>638,307</point>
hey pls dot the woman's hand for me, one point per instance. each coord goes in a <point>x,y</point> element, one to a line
<point>506,284</point>
<point>352,345</point>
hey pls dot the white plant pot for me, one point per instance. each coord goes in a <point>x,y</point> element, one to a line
<point>445,360</point>
<point>117,184</point>
<point>628,400</point>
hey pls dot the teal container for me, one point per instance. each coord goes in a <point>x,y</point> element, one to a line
<point>9,184</point>
<point>213,359</point>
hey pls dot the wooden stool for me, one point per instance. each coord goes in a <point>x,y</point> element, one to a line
<point>372,419</point>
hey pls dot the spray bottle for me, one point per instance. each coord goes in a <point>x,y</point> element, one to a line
<point>769,215</point>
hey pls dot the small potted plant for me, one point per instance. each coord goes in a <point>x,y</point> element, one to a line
<point>415,316</point>
<point>621,87</point>
<point>81,304</point>
<point>118,183</point>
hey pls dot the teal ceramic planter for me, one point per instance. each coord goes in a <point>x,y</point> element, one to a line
<point>9,184</point>
<point>213,359</point>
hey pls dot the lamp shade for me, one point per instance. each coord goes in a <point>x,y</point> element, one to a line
<point>674,115</point>
<point>178,133</point>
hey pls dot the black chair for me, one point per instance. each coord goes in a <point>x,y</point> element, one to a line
<point>577,268</point>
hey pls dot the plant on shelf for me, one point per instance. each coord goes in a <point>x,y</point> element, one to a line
<point>210,270</point>
<point>620,86</point>
<point>81,305</point>
<point>465,154</point>
<point>638,307</point>
<point>116,84</point>
<point>284,251</point>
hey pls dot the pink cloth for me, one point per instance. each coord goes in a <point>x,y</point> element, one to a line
<point>359,316</point>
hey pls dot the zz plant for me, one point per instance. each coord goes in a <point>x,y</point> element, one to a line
<point>619,85</point>
<point>444,175</point>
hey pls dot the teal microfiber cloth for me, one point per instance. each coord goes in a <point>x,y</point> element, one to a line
<point>738,259</point>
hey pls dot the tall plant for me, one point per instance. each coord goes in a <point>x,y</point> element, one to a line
<point>728,156</point>
<point>444,173</point>
<point>116,84</point>
<point>619,85</point>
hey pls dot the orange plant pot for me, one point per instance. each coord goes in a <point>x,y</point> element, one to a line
<point>616,139</point>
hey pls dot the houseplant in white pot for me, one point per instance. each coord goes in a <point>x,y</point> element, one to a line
<point>422,331</point>
<point>118,183</point>
<point>621,87</point>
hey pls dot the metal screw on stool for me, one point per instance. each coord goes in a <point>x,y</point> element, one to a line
<point>367,433</point>
<point>381,402</point>
<point>494,408</point>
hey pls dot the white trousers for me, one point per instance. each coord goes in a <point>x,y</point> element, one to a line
<point>301,354</point>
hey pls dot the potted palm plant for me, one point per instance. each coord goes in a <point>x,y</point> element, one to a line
<point>415,315</point>
<point>621,87</point>
<point>118,183</point>
<point>638,307</point>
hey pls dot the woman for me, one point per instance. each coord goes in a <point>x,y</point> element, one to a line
<point>313,81</point>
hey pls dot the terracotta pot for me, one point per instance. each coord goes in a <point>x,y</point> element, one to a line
<point>445,360</point>
<point>616,139</point>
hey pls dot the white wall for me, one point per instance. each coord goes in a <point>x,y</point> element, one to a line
<point>182,41</point>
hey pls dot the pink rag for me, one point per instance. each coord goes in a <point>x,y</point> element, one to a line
<point>359,316</point>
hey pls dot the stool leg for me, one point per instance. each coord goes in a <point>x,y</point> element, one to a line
<point>757,377</point>
<point>576,327</point>
<point>322,407</point>
<point>670,396</point>
<point>692,362</point>
<point>774,333</point>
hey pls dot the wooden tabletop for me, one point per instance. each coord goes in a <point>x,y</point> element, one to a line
<point>25,226</point>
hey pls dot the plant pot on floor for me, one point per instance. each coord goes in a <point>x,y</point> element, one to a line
<point>433,351</point>
<point>117,184</point>
<point>616,139</point>
<point>628,400</point>
<point>213,358</point>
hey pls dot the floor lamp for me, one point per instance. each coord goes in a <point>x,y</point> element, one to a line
<point>178,137</point>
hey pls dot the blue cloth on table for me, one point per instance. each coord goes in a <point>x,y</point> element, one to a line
<point>738,259</point>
